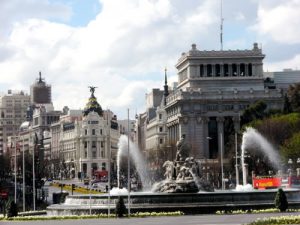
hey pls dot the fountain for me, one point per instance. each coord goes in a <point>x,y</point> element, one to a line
<point>183,189</point>
<point>254,140</point>
<point>138,160</point>
<point>183,174</point>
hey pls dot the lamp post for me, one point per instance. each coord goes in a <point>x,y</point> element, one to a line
<point>33,169</point>
<point>15,169</point>
<point>290,162</point>
<point>128,174</point>
<point>109,162</point>
<point>23,174</point>
<point>222,166</point>
<point>236,162</point>
<point>298,169</point>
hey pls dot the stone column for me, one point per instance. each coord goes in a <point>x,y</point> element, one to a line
<point>238,69</point>
<point>222,70</point>
<point>204,70</point>
<point>213,70</point>
<point>205,136</point>
<point>183,123</point>
<point>236,123</point>
<point>229,69</point>
<point>220,121</point>
<point>246,69</point>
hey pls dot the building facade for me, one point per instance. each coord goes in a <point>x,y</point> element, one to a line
<point>13,106</point>
<point>40,92</point>
<point>213,90</point>
<point>87,143</point>
<point>283,79</point>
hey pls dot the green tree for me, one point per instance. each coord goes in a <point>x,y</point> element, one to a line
<point>293,95</point>
<point>5,166</point>
<point>254,111</point>
<point>287,108</point>
<point>290,149</point>
<point>277,129</point>
<point>12,209</point>
<point>281,202</point>
<point>120,207</point>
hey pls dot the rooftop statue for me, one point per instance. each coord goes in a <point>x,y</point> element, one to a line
<point>92,90</point>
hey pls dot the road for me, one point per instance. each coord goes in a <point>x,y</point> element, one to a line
<point>180,220</point>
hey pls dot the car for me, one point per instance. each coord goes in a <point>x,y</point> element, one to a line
<point>86,181</point>
<point>99,186</point>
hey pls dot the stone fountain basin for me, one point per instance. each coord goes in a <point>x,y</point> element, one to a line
<point>203,202</point>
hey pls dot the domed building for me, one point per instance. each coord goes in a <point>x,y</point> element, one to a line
<point>87,143</point>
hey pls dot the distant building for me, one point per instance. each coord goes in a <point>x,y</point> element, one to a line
<point>40,92</point>
<point>283,79</point>
<point>13,106</point>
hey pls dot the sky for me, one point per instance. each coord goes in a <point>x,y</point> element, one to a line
<point>123,46</point>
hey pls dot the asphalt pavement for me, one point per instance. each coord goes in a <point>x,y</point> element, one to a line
<point>239,219</point>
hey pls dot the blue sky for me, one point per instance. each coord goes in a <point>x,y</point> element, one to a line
<point>83,11</point>
<point>123,46</point>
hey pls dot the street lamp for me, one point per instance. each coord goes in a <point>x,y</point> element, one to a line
<point>15,168</point>
<point>128,174</point>
<point>290,162</point>
<point>23,156</point>
<point>222,166</point>
<point>236,162</point>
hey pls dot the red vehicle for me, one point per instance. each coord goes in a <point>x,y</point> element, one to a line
<point>101,176</point>
<point>269,182</point>
<point>266,182</point>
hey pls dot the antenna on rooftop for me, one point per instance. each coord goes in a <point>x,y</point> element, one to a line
<point>221,26</point>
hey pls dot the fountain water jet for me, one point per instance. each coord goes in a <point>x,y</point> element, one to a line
<point>253,139</point>
<point>137,158</point>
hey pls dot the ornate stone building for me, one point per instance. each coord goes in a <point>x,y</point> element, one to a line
<point>214,88</point>
<point>86,142</point>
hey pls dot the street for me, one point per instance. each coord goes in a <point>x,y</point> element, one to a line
<point>184,220</point>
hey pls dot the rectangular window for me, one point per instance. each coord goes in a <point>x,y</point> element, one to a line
<point>104,166</point>
<point>94,144</point>
<point>102,154</point>
<point>160,129</point>
<point>93,132</point>
<point>85,131</point>
<point>85,154</point>
<point>101,131</point>
<point>161,141</point>
<point>160,116</point>
<point>85,144</point>
<point>94,154</point>
<point>102,144</point>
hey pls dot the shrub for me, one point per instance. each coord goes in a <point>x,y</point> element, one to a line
<point>120,207</point>
<point>12,209</point>
<point>281,202</point>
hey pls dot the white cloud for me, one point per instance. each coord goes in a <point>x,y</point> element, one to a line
<point>123,51</point>
<point>293,63</point>
<point>280,21</point>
